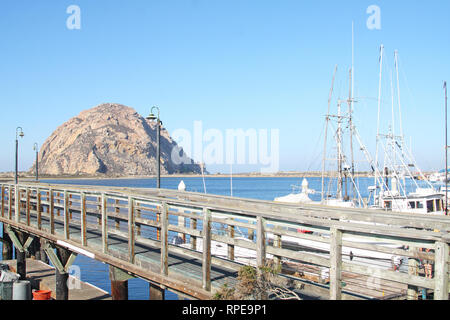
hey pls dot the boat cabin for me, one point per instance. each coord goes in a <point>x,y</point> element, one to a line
<point>431,204</point>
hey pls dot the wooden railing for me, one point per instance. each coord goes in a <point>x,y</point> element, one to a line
<point>343,244</point>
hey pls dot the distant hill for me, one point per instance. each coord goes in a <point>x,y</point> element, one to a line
<point>108,140</point>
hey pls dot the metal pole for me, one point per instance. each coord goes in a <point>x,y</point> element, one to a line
<point>37,166</point>
<point>158,159</point>
<point>15,172</point>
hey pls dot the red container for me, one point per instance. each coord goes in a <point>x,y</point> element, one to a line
<point>42,295</point>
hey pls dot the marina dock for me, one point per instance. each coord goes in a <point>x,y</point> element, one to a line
<point>193,244</point>
<point>42,277</point>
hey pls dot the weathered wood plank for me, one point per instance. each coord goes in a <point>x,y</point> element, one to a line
<point>260,242</point>
<point>164,235</point>
<point>441,271</point>
<point>83,220</point>
<point>38,209</point>
<point>131,230</point>
<point>336,264</point>
<point>206,261</point>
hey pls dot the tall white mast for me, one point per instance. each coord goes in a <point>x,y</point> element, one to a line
<point>398,97</point>
<point>327,118</point>
<point>339,149</point>
<point>352,76</point>
<point>394,164</point>
<point>353,67</point>
<point>378,120</point>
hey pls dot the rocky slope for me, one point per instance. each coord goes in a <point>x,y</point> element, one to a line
<point>109,139</point>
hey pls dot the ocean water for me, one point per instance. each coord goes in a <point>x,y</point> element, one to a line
<point>263,188</point>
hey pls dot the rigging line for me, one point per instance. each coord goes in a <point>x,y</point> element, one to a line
<point>413,161</point>
<point>403,188</point>
<point>354,184</point>
<point>316,147</point>
<point>370,160</point>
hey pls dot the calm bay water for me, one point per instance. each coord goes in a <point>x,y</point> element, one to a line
<point>263,188</point>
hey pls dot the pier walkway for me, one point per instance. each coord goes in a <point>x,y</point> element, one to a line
<point>193,243</point>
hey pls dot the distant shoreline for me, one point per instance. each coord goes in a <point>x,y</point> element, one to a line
<point>26,176</point>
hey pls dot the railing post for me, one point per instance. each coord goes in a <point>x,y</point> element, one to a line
<point>27,205</point>
<point>164,221</point>
<point>117,221</point>
<point>83,219</point>
<point>231,246</point>
<point>182,223</point>
<point>66,215</point>
<point>194,238</point>
<point>10,202</point>
<point>104,221</point>
<point>261,242</point>
<point>206,263</point>
<point>335,264</point>
<point>51,210</point>
<point>413,269</point>
<point>131,229</point>
<point>38,209</point>
<point>277,244</point>
<point>441,271</point>
<point>3,200</point>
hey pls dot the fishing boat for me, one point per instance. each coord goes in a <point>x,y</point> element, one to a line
<point>392,171</point>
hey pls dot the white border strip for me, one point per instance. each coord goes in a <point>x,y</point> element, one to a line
<point>76,249</point>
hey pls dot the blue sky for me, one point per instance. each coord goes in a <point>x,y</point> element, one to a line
<point>231,64</point>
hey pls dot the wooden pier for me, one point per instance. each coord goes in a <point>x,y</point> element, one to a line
<point>193,243</point>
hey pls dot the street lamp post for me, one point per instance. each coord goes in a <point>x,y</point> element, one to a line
<point>35,147</point>
<point>18,134</point>
<point>152,117</point>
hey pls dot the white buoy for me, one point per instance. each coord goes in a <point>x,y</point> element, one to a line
<point>181,186</point>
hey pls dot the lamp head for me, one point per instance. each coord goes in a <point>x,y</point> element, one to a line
<point>151,116</point>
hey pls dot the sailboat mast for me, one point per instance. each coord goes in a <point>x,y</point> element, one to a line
<point>378,122</point>
<point>339,149</point>
<point>352,77</point>
<point>350,123</point>
<point>394,162</point>
<point>327,117</point>
<point>398,97</point>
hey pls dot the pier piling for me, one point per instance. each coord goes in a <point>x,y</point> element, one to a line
<point>7,249</point>
<point>62,289</point>
<point>119,283</point>
<point>156,292</point>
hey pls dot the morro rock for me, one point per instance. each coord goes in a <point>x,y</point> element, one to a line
<point>112,140</point>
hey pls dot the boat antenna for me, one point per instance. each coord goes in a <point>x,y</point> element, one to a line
<point>327,118</point>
